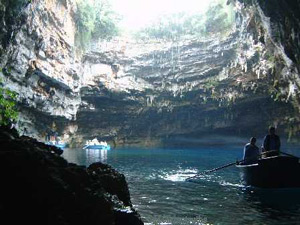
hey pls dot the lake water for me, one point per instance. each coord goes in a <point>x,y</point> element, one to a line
<point>156,179</point>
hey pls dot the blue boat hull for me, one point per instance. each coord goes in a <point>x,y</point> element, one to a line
<point>61,146</point>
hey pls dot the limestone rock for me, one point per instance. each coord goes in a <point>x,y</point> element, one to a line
<point>38,186</point>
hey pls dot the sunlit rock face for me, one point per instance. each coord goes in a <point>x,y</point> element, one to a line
<point>38,61</point>
<point>239,84</point>
<point>275,25</point>
<point>131,92</point>
<point>281,22</point>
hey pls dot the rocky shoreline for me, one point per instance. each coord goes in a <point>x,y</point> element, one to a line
<point>38,186</point>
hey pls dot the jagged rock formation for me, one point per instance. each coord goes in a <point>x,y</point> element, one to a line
<point>143,93</point>
<point>38,186</point>
<point>38,61</point>
<point>195,87</point>
<point>275,25</point>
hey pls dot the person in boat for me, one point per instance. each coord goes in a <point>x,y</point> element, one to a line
<point>47,137</point>
<point>271,143</point>
<point>251,152</point>
<point>11,123</point>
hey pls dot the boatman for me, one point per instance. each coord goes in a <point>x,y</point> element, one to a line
<point>251,152</point>
<point>271,143</point>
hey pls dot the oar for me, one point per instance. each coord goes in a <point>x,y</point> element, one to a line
<point>215,169</point>
<point>228,165</point>
<point>284,153</point>
<point>222,167</point>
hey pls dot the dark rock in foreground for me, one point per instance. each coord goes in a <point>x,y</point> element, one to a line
<point>40,187</point>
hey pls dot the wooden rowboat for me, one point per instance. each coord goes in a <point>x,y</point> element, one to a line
<point>272,172</point>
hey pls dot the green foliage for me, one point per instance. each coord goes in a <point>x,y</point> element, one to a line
<point>85,19</point>
<point>95,22</point>
<point>106,22</point>
<point>172,27</point>
<point>211,84</point>
<point>277,97</point>
<point>8,110</point>
<point>219,18</point>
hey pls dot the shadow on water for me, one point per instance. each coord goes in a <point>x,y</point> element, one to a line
<point>160,193</point>
<point>275,204</point>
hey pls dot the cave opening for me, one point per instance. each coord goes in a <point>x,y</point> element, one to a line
<point>152,21</point>
<point>181,61</point>
<point>160,90</point>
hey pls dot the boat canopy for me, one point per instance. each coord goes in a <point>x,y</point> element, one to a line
<point>96,142</point>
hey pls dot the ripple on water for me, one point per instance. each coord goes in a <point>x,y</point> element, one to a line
<point>176,220</point>
<point>156,179</point>
<point>178,175</point>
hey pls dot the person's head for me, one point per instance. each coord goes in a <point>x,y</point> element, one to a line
<point>272,130</point>
<point>252,141</point>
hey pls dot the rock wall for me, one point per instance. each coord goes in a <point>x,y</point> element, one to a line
<point>275,25</point>
<point>39,186</point>
<point>38,61</point>
<point>144,92</point>
<point>238,84</point>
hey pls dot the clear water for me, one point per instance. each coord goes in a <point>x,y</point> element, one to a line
<point>159,192</point>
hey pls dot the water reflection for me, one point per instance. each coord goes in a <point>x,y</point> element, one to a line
<point>159,192</point>
<point>282,198</point>
<point>274,204</point>
<point>95,155</point>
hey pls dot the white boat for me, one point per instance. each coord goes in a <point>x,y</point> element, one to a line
<point>95,144</point>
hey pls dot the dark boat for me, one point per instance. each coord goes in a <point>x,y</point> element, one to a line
<point>272,172</point>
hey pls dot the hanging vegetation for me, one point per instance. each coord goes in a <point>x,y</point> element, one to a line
<point>95,21</point>
<point>8,112</point>
<point>218,18</point>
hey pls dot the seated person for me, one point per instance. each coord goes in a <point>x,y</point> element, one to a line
<point>271,143</point>
<point>251,152</point>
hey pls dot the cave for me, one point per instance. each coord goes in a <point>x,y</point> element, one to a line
<point>188,81</point>
<point>222,68</point>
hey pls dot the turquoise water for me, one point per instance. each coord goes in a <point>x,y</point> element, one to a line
<point>159,192</point>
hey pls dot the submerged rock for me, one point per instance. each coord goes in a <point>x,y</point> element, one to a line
<point>40,187</point>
